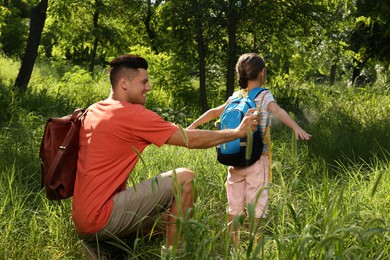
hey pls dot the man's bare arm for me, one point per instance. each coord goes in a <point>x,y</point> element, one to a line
<point>199,139</point>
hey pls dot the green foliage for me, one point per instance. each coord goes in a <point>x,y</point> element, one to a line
<point>359,124</point>
<point>84,90</point>
<point>4,12</point>
<point>299,39</point>
<point>9,70</point>
<point>31,226</point>
<point>13,33</point>
<point>73,26</point>
<point>169,114</point>
<point>172,90</point>
<point>372,29</point>
<point>345,122</point>
<point>382,83</point>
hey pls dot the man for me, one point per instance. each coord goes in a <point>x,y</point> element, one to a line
<point>114,131</point>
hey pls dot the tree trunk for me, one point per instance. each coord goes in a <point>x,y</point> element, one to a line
<point>355,75</point>
<point>232,48</point>
<point>332,77</point>
<point>151,33</point>
<point>285,62</point>
<point>356,71</point>
<point>98,5</point>
<point>202,55</point>
<point>93,54</point>
<point>37,22</point>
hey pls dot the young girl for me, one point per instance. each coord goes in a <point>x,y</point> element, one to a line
<point>244,183</point>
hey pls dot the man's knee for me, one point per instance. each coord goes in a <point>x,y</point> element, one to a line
<point>185,174</point>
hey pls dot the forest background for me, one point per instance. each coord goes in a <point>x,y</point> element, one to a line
<point>327,64</point>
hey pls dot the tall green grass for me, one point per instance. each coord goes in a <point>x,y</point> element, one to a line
<point>329,198</point>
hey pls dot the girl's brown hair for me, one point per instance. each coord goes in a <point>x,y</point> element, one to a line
<point>248,67</point>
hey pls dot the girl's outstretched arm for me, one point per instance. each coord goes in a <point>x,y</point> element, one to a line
<point>208,116</point>
<point>284,117</point>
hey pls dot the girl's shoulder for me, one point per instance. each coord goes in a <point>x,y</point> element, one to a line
<point>265,94</point>
<point>239,94</point>
<point>264,98</point>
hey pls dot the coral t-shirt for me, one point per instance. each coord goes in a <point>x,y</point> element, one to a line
<point>110,133</point>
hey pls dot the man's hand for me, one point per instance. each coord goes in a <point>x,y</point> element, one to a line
<point>249,122</point>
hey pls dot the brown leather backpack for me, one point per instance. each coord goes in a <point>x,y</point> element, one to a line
<point>59,154</point>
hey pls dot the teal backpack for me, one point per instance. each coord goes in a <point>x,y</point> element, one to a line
<point>234,153</point>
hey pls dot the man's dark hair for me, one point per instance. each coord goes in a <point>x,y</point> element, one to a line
<point>127,61</point>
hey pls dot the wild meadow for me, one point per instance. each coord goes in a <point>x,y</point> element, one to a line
<point>329,197</point>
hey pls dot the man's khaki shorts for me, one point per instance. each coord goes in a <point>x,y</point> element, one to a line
<point>137,208</point>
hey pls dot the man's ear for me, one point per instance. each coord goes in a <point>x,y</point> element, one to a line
<point>123,83</point>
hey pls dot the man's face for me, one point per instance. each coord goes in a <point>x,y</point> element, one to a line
<point>137,87</point>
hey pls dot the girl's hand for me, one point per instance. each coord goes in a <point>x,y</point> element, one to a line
<point>300,133</point>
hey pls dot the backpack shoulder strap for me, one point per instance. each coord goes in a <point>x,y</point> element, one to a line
<point>255,92</point>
